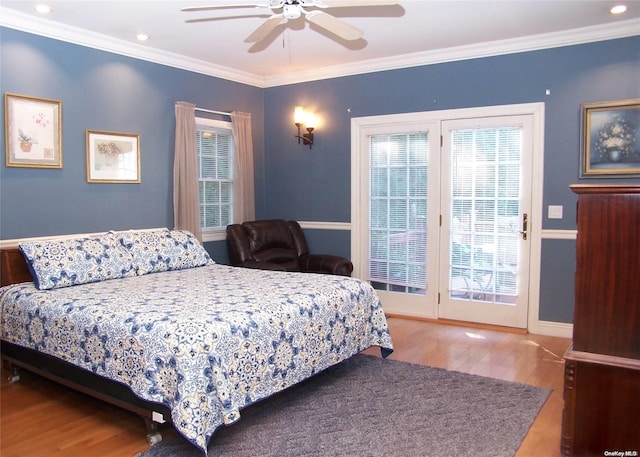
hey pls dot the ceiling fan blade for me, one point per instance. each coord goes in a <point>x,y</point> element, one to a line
<point>350,3</point>
<point>223,18</point>
<point>334,25</point>
<point>228,5</point>
<point>265,29</point>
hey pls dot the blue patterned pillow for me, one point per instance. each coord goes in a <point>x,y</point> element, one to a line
<point>63,263</point>
<point>162,250</point>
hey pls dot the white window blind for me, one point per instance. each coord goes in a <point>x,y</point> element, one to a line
<point>485,213</point>
<point>398,212</point>
<point>214,143</point>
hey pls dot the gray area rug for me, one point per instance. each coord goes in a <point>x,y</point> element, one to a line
<point>367,406</point>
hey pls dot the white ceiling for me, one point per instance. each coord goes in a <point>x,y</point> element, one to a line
<point>413,32</point>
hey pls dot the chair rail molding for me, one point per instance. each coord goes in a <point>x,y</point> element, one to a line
<point>553,234</point>
<point>321,225</point>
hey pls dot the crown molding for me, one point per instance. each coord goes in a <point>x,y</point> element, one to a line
<point>620,29</point>
<point>38,26</point>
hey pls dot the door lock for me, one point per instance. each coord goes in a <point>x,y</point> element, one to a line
<point>525,226</point>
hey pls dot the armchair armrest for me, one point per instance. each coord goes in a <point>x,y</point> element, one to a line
<point>262,265</point>
<point>323,263</point>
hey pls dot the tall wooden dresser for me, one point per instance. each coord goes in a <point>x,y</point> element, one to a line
<point>602,368</point>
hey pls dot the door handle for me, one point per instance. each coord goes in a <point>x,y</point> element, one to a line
<point>525,226</point>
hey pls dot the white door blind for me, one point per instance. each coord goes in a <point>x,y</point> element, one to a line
<point>485,208</point>
<point>215,156</point>
<point>398,212</point>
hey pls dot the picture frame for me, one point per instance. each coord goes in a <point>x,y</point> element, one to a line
<point>610,140</point>
<point>112,157</point>
<point>32,131</point>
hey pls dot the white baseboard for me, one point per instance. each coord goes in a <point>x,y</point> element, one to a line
<point>549,328</point>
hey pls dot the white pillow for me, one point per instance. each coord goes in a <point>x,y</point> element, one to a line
<point>162,250</point>
<point>63,263</point>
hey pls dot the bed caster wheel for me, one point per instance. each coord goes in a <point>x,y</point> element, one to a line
<point>154,438</point>
<point>13,378</point>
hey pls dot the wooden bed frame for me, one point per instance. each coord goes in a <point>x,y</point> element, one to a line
<point>13,270</point>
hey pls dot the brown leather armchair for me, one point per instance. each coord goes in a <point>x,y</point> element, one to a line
<point>279,245</point>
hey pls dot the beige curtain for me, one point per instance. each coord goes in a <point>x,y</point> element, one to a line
<point>186,200</point>
<point>243,183</point>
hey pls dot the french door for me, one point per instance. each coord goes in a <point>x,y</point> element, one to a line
<point>399,217</point>
<point>486,205</point>
<point>442,213</point>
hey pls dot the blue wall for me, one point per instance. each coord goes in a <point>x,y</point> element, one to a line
<point>315,185</point>
<point>104,91</point>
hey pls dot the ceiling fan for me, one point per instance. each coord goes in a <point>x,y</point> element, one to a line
<point>285,10</point>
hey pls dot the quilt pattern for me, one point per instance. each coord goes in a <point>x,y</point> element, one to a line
<point>205,341</point>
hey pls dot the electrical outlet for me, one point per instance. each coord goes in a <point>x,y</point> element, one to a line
<point>157,417</point>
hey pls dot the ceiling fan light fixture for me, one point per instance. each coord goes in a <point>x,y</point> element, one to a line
<point>293,11</point>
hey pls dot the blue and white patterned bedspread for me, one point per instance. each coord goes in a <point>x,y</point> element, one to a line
<point>204,341</point>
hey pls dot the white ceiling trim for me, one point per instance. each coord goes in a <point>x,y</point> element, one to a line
<point>27,23</point>
<point>37,26</point>
<point>621,29</point>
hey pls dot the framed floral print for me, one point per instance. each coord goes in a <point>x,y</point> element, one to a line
<point>112,157</point>
<point>32,132</point>
<point>610,139</point>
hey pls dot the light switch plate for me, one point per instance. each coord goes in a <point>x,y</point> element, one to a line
<point>555,212</point>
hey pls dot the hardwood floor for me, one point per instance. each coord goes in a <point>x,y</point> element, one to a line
<point>39,418</point>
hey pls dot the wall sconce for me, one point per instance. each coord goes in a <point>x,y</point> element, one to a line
<point>309,121</point>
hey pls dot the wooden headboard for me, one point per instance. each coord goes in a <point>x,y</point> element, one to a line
<point>13,267</point>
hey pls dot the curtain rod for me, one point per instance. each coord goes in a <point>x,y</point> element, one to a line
<point>223,113</point>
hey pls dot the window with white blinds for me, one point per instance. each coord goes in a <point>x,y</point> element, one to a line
<point>398,212</point>
<point>214,144</point>
<point>485,208</point>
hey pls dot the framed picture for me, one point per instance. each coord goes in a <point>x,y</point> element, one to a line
<point>32,132</point>
<point>610,139</point>
<point>113,157</point>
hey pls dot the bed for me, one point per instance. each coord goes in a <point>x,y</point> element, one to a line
<point>148,321</point>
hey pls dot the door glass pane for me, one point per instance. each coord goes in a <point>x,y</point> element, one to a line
<point>398,212</point>
<point>485,209</point>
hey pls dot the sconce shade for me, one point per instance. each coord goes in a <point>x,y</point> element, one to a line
<point>298,115</point>
<point>310,121</point>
